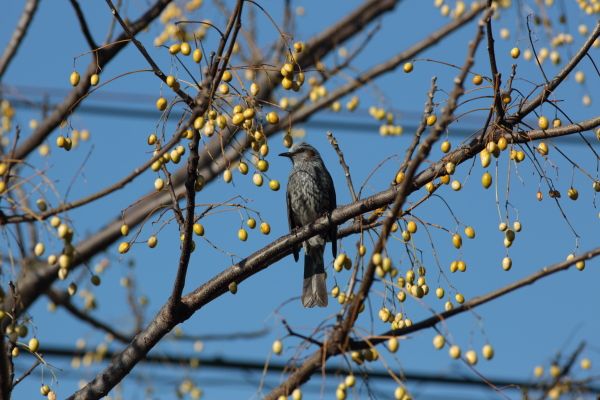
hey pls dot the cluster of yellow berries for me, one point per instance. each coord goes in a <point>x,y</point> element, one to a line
<point>187,387</point>
<point>265,229</point>
<point>65,233</point>
<point>487,351</point>
<point>7,113</point>
<point>388,128</point>
<point>178,32</point>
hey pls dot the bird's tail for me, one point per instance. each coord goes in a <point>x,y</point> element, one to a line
<point>314,290</point>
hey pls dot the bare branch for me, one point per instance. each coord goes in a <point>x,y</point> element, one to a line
<point>336,147</point>
<point>63,299</point>
<point>85,29</point>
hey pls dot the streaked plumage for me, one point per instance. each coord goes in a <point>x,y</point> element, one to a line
<point>310,195</point>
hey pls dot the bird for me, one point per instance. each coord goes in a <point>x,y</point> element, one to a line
<point>310,194</point>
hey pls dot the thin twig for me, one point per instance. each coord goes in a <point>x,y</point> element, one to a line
<point>334,143</point>
<point>85,29</point>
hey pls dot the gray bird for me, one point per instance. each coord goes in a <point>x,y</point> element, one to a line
<point>310,195</point>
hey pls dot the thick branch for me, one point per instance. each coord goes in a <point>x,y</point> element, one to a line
<point>259,260</point>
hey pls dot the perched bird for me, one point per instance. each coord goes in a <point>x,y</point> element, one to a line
<point>310,195</point>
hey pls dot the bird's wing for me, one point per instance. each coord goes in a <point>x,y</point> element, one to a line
<point>332,206</point>
<point>292,223</point>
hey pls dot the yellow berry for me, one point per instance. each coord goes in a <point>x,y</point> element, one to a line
<point>485,158</point>
<point>439,341</point>
<point>543,122</point>
<point>277,347</point>
<point>471,357</point>
<point>272,117</point>
<point>586,363</point>
<point>265,228</point>
<point>486,180</point>
<point>197,56</point>
<point>456,240</point>
<point>262,165</point>
<point>515,52</point>
<point>198,229</point>
<point>573,193</point>
<point>123,247</point>
<point>227,176</point>
<point>538,371</point>
<point>124,229</point>
<point>152,241</point>
<point>242,235</point>
<point>251,223</point>
<point>233,288</point>
<point>39,249</point>
<point>411,227</point>
<point>400,393</point>
<point>161,103</point>
<point>392,345</point>
<point>477,80</point>
<point>399,177</point>
<point>408,67</point>
<point>274,185</point>
<point>243,168</point>
<point>159,184</point>
<point>185,49</point>
<point>445,146</point>
<point>175,48</point>
<point>34,345</point>
<point>376,259</point>
<point>257,179</point>
<point>470,232</point>
<point>432,119</point>
<point>506,263</point>
<point>488,352</point>
<point>94,79</point>
<point>44,390</point>
<point>502,143</point>
<point>74,78</point>
<point>454,351</point>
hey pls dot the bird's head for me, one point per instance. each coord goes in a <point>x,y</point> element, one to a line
<point>302,152</point>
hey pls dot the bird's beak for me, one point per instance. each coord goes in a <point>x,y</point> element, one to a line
<point>286,154</point>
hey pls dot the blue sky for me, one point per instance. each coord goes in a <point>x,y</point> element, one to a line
<point>526,328</point>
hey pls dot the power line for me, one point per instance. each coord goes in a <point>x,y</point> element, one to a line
<point>16,96</point>
<point>222,363</point>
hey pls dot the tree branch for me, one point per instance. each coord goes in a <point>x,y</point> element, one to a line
<point>63,299</point>
<point>85,29</point>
